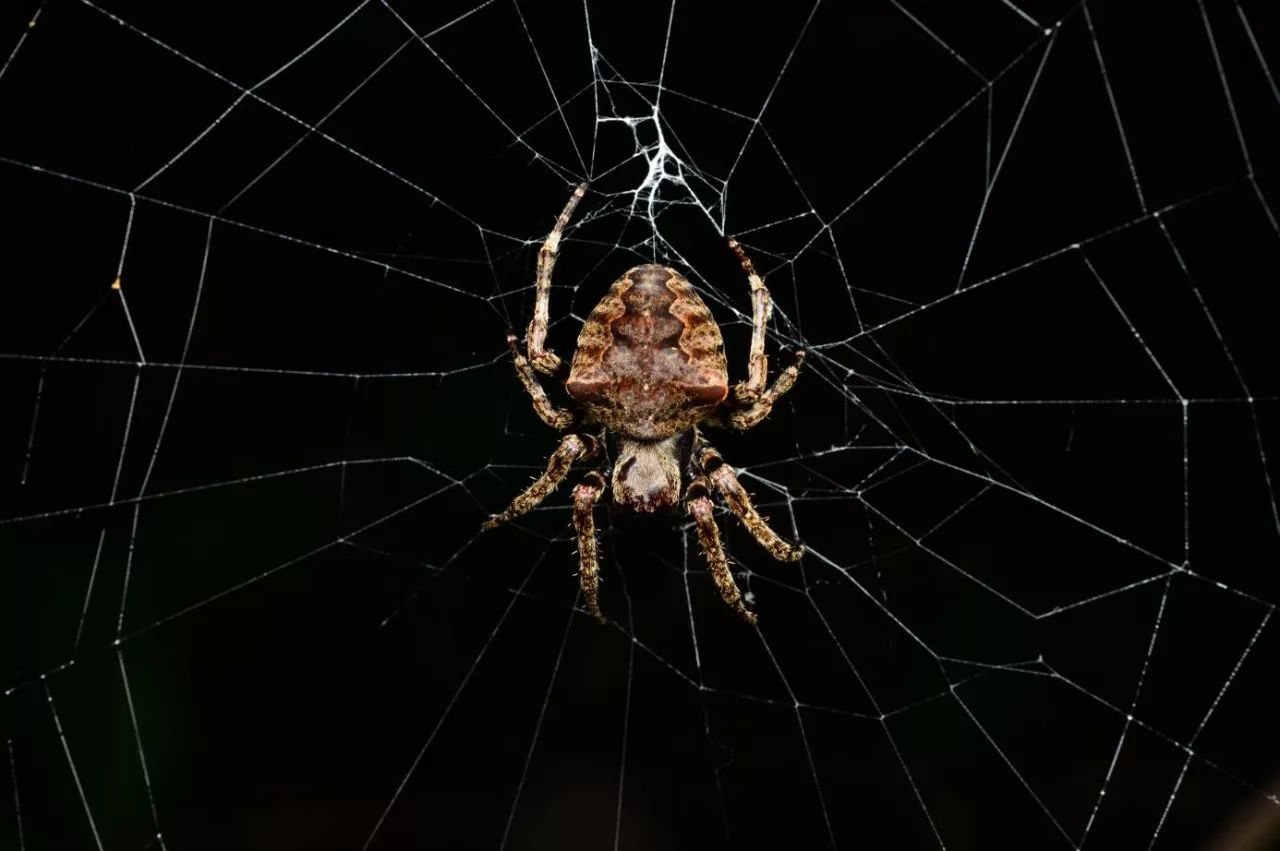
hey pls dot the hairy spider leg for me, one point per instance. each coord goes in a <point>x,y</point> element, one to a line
<point>752,402</point>
<point>726,483</point>
<point>557,418</point>
<point>702,510</point>
<point>571,448</point>
<point>746,418</point>
<point>747,392</point>
<point>585,496</point>
<point>545,360</point>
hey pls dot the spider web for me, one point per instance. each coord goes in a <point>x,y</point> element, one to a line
<point>260,263</point>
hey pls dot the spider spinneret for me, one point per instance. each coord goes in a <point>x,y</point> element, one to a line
<point>649,370</point>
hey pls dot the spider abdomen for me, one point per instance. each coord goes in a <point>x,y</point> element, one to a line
<point>650,359</point>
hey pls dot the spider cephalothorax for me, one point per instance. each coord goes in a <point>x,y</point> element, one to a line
<point>649,369</point>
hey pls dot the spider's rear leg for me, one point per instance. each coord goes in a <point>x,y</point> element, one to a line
<point>751,401</point>
<point>702,510</point>
<point>545,360</point>
<point>571,448</point>
<point>735,496</point>
<point>748,391</point>
<point>557,418</point>
<point>585,497</point>
<point>751,416</point>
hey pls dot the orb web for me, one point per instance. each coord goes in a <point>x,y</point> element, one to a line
<point>258,403</point>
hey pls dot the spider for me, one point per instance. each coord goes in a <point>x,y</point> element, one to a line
<point>650,369</point>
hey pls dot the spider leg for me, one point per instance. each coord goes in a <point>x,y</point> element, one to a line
<point>545,360</point>
<point>702,511</point>
<point>571,448</point>
<point>735,496</point>
<point>749,391</point>
<point>750,417</point>
<point>557,418</point>
<point>585,496</point>
<point>752,402</point>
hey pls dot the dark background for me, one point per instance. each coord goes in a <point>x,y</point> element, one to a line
<point>975,474</point>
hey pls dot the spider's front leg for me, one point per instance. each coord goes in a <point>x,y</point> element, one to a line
<point>585,497</point>
<point>702,510</point>
<point>545,360</point>
<point>726,483</point>
<point>571,448</point>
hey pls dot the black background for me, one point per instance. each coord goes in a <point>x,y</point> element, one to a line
<point>295,645</point>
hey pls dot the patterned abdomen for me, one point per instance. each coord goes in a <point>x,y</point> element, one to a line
<point>650,360</point>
